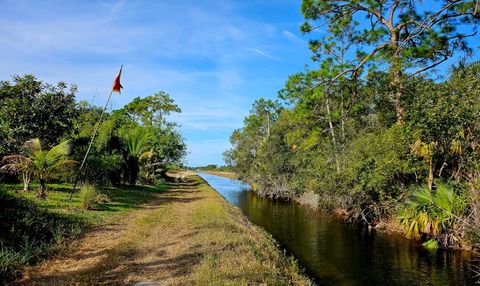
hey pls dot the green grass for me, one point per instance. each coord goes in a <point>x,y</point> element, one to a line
<point>191,235</point>
<point>123,198</point>
<point>32,228</point>
<point>236,252</point>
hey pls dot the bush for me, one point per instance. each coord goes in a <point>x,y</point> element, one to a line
<point>89,196</point>
<point>433,214</point>
<point>10,262</point>
<point>28,233</point>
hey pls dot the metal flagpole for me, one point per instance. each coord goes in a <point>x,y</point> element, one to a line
<point>116,87</point>
<point>90,145</point>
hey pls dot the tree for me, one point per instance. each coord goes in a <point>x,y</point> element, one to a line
<point>400,34</point>
<point>15,164</point>
<point>104,164</point>
<point>151,110</point>
<point>168,148</point>
<point>30,108</point>
<point>166,145</point>
<point>137,147</point>
<point>444,121</point>
<point>247,140</point>
<point>43,164</point>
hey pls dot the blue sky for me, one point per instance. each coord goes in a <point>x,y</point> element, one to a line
<point>213,57</point>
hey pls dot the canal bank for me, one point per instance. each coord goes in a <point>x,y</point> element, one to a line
<point>337,253</point>
<point>186,235</point>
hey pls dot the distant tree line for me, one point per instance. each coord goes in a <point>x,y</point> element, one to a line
<point>213,167</point>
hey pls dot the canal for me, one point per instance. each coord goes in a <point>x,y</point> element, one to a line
<point>337,253</point>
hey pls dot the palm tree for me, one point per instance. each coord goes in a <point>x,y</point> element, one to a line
<point>426,152</point>
<point>42,164</point>
<point>15,164</point>
<point>137,147</point>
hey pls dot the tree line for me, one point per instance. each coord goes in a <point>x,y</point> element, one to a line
<point>373,128</point>
<point>45,133</point>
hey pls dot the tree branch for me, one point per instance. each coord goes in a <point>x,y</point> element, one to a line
<point>446,57</point>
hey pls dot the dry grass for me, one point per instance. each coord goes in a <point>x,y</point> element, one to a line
<point>189,236</point>
<point>309,199</point>
<point>230,175</point>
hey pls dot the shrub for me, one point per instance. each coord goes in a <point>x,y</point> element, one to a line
<point>434,214</point>
<point>89,196</point>
<point>28,233</point>
<point>10,262</point>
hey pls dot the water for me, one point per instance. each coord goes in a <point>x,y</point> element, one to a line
<point>337,253</point>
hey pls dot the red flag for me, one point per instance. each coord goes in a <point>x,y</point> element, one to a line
<point>116,83</point>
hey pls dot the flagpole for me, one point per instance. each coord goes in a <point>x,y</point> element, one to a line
<point>90,144</point>
<point>116,87</point>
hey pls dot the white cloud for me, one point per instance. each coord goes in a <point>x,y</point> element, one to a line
<point>264,54</point>
<point>200,53</point>
<point>292,37</point>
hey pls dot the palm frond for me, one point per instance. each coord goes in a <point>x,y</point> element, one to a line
<point>15,164</point>
<point>32,145</point>
<point>422,196</point>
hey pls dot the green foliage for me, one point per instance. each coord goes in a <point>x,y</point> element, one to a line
<point>375,162</point>
<point>151,110</point>
<point>30,108</point>
<point>361,138</point>
<point>88,196</point>
<point>137,146</point>
<point>432,213</point>
<point>430,244</point>
<point>42,164</point>
<point>399,35</point>
<point>247,140</point>
<point>28,233</point>
<point>10,261</point>
<point>135,142</point>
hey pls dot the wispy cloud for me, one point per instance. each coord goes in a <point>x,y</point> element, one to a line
<point>292,37</point>
<point>214,58</point>
<point>260,52</point>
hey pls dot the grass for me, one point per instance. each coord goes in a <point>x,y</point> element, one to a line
<point>32,229</point>
<point>235,252</point>
<point>122,199</point>
<point>230,175</point>
<point>189,236</point>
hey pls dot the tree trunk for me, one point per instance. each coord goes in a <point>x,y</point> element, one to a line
<point>398,89</point>
<point>133,168</point>
<point>337,163</point>
<point>430,175</point>
<point>26,181</point>
<point>41,191</point>
<point>268,125</point>
<point>396,77</point>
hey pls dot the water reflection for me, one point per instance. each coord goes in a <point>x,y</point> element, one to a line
<point>336,253</point>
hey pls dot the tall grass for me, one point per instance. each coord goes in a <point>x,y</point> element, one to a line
<point>89,196</point>
<point>28,233</point>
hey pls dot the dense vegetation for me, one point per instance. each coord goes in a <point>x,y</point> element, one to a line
<point>41,126</point>
<point>44,135</point>
<point>374,130</point>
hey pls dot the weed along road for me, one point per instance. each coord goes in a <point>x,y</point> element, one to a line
<point>186,235</point>
<point>337,253</point>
